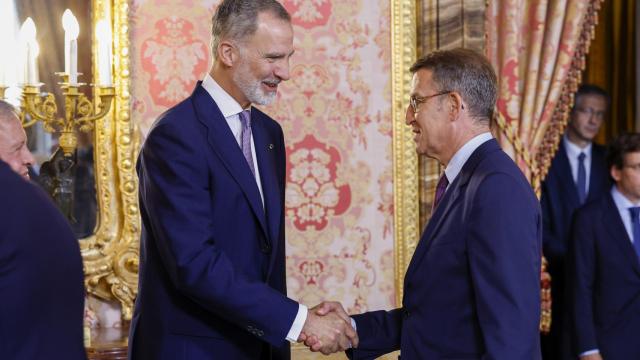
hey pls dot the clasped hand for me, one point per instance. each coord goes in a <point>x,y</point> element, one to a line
<point>328,329</point>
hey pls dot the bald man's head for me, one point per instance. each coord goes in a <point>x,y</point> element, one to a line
<point>13,141</point>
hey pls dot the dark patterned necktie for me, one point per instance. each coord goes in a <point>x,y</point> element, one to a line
<point>582,179</point>
<point>245,143</point>
<point>440,189</point>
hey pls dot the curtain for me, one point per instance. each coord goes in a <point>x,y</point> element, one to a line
<point>611,64</point>
<point>538,50</point>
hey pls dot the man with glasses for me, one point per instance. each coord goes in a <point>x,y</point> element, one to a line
<point>472,289</point>
<point>604,267</point>
<point>577,175</point>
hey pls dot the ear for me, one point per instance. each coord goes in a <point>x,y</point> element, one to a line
<point>227,53</point>
<point>455,105</point>
<point>616,173</point>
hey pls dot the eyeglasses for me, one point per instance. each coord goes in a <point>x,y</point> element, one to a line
<point>590,112</point>
<point>414,101</point>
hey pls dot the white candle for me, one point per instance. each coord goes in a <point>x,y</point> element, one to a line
<point>3,69</point>
<point>73,62</point>
<point>103,34</point>
<point>34,51</point>
<point>30,51</point>
<point>66,21</point>
<point>71,32</point>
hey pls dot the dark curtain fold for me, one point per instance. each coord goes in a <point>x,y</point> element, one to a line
<point>611,64</point>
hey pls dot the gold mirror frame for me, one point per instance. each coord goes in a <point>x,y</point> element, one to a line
<point>111,254</point>
<point>406,202</point>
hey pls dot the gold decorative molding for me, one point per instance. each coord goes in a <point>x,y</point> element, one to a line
<point>111,255</point>
<point>405,159</point>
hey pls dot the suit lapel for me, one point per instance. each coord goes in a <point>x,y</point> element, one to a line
<point>265,152</point>
<point>225,146</point>
<point>434,225</point>
<point>619,236</point>
<point>448,202</point>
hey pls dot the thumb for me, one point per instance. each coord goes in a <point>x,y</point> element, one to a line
<point>324,309</point>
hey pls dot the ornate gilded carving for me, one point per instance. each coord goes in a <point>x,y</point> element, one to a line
<point>405,160</point>
<point>111,254</point>
<point>79,111</point>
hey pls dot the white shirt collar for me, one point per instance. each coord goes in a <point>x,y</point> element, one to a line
<point>462,155</point>
<point>574,150</point>
<point>622,203</point>
<point>227,104</point>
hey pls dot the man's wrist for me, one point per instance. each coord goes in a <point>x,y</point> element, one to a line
<point>298,324</point>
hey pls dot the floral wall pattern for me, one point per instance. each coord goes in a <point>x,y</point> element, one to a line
<point>336,115</point>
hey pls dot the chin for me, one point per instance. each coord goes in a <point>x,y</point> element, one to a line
<point>264,99</point>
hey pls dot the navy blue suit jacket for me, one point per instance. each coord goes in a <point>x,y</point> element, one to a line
<point>212,260</point>
<point>559,200</point>
<point>41,279</point>
<point>472,289</point>
<point>605,285</point>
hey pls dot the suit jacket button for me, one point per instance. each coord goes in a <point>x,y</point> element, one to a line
<point>265,249</point>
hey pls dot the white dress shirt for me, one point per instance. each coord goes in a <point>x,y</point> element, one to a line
<point>462,155</point>
<point>573,151</point>
<point>623,204</point>
<point>231,111</point>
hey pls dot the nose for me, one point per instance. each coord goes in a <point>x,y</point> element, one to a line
<point>409,116</point>
<point>27,157</point>
<point>282,70</point>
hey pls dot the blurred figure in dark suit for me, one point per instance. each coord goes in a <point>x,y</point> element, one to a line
<point>604,266</point>
<point>41,278</point>
<point>577,175</point>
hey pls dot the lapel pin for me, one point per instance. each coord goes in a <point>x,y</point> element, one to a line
<point>270,146</point>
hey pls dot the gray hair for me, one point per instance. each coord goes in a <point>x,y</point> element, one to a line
<point>8,111</point>
<point>467,73</point>
<point>238,19</point>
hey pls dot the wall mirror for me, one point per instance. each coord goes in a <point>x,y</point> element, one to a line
<point>104,210</point>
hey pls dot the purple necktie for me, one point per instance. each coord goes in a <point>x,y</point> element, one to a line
<point>245,143</point>
<point>440,189</point>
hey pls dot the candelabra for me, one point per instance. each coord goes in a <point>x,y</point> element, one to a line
<point>80,113</point>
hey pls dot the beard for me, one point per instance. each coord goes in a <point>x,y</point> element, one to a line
<point>251,86</point>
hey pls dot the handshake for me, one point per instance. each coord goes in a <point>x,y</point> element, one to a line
<point>328,329</point>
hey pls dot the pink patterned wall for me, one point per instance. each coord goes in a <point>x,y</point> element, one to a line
<point>336,115</point>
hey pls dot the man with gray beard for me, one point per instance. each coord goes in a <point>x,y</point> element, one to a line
<point>212,177</point>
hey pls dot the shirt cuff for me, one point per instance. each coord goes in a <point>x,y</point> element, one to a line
<point>594,351</point>
<point>298,324</point>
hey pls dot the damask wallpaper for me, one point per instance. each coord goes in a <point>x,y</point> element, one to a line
<point>336,116</point>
